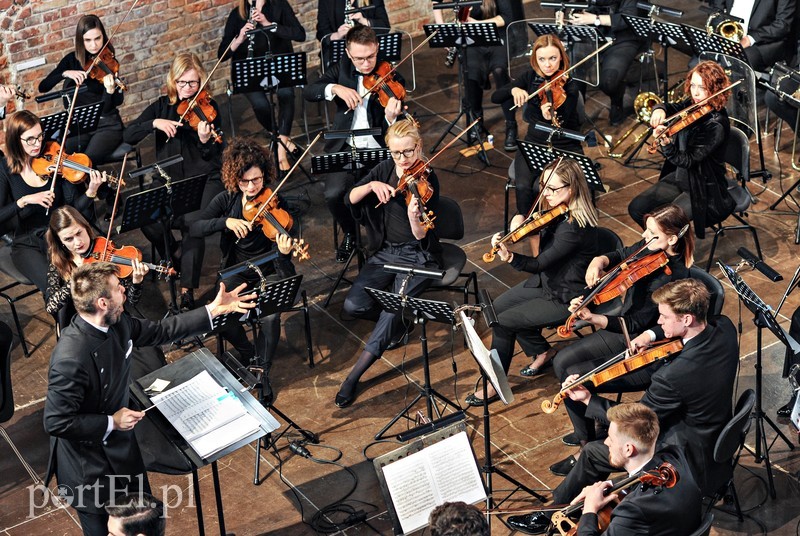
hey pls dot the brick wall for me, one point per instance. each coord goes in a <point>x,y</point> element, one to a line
<point>147,41</point>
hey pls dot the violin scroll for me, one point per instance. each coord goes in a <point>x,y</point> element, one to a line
<point>550,407</point>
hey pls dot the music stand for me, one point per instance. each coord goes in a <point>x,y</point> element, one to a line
<point>356,161</point>
<point>762,317</point>
<point>462,36</point>
<point>423,311</point>
<point>702,41</point>
<point>389,49</point>
<point>162,205</point>
<point>666,34</point>
<point>84,119</point>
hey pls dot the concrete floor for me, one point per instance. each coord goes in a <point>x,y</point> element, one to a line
<point>525,441</point>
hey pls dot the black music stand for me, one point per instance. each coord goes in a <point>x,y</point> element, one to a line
<point>165,443</point>
<point>702,41</point>
<point>423,311</point>
<point>162,205</point>
<point>389,49</point>
<point>84,121</point>
<point>762,317</point>
<point>356,161</point>
<point>667,34</point>
<point>462,36</point>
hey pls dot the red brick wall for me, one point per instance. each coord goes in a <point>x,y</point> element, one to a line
<point>147,41</point>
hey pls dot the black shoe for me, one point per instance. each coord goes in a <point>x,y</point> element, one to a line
<point>510,144</point>
<point>563,467</point>
<point>402,339</point>
<point>343,400</point>
<point>473,138</point>
<point>187,300</point>
<point>530,372</point>
<point>346,248</point>
<point>474,401</point>
<point>571,440</point>
<point>615,115</point>
<point>786,411</point>
<point>536,523</point>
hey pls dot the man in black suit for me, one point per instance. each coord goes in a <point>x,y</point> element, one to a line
<point>344,83</point>
<point>768,29</point>
<point>93,451</point>
<point>691,393</point>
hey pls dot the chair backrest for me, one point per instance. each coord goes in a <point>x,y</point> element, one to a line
<point>705,526</point>
<point>6,395</point>
<point>732,437</point>
<point>607,240</point>
<point>714,287</point>
<point>737,153</point>
<point>449,222</point>
<point>7,267</point>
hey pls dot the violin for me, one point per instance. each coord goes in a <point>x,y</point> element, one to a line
<point>383,82</point>
<point>104,250</point>
<point>19,92</point>
<point>615,367</point>
<point>263,210</point>
<point>663,476</point>
<point>553,91</point>
<point>682,122</point>
<point>532,224</point>
<point>102,65</point>
<point>414,184</point>
<point>201,110</point>
<point>74,167</point>
<point>619,280</point>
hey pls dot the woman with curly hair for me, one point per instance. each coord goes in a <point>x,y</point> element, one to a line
<point>247,169</point>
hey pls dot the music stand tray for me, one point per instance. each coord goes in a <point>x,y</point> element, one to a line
<point>539,156</point>
<point>666,33</point>
<point>156,204</point>
<point>84,120</point>
<point>389,48</point>
<point>348,160</point>
<point>275,297</point>
<point>476,34</point>
<point>278,70</point>
<point>702,41</point>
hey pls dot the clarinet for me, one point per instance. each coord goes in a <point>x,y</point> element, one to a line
<point>252,37</point>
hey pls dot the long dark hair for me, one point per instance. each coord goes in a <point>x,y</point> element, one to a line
<point>671,219</point>
<point>86,23</point>
<point>60,257</point>
<point>16,124</point>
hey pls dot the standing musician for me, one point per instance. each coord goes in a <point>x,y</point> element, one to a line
<point>90,36</point>
<point>395,235</point>
<point>245,18</point>
<point>674,508</point>
<point>666,231</point>
<point>616,60</point>
<point>93,450</point>
<point>33,196</point>
<point>693,175</point>
<point>247,170</point>
<point>547,60</point>
<point>485,60</point>
<point>345,82</point>
<point>565,248</point>
<point>691,393</point>
<point>202,155</point>
<point>334,22</point>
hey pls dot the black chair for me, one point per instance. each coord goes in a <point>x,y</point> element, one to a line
<point>7,396</point>
<point>450,226</point>
<point>737,156</point>
<point>705,527</point>
<point>726,453</point>
<point>18,279</point>
<point>714,287</point>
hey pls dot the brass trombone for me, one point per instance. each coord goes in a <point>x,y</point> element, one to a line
<point>643,106</point>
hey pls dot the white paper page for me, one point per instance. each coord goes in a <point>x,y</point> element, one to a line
<point>488,361</point>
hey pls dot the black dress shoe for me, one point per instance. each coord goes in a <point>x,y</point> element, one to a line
<point>530,372</point>
<point>187,300</point>
<point>615,115</point>
<point>473,138</point>
<point>563,467</point>
<point>571,440</point>
<point>536,523</point>
<point>510,143</point>
<point>343,400</point>
<point>474,401</point>
<point>346,248</point>
<point>786,411</point>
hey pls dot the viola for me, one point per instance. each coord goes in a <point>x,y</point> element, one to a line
<point>615,367</point>
<point>383,82</point>
<point>532,224</point>
<point>102,65</point>
<point>74,167</point>
<point>104,250</point>
<point>553,91</point>
<point>682,122</point>
<point>414,184</point>
<point>622,278</point>
<point>663,476</point>
<point>263,210</point>
<point>201,110</point>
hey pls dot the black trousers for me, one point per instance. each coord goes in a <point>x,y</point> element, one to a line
<point>262,107</point>
<point>336,186</point>
<point>593,466</point>
<point>665,191</point>
<point>615,63</point>
<point>30,257</point>
<point>780,108</point>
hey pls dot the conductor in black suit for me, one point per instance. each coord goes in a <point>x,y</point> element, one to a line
<point>344,83</point>
<point>768,29</point>
<point>93,451</point>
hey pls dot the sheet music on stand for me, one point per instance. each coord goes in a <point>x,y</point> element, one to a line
<point>482,34</point>
<point>348,160</point>
<point>666,33</point>
<point>389,48</point>
<point>488,361</point>
<point>702,41</point>
<point>277,71</point>
<point>84,120</point>
<point>539,156</point>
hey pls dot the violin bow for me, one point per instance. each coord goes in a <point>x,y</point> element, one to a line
<point>114,209</point>
<point>549,83</point>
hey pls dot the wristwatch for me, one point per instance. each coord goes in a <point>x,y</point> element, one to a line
<point>597,20</point>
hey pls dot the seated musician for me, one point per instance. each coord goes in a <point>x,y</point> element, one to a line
<point>201,156</point>
<point>779,105</point>
<point>768,36</point>
<point>344,82</point>
<point>247,170</point>
<point>33,197</point>
<point>548,59</point>
<point>691,393</point>
<point>395,235</point>
<point>693,175</point>
<point>662,507</point>
<point>667,231</point>
<point>565,248</point>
